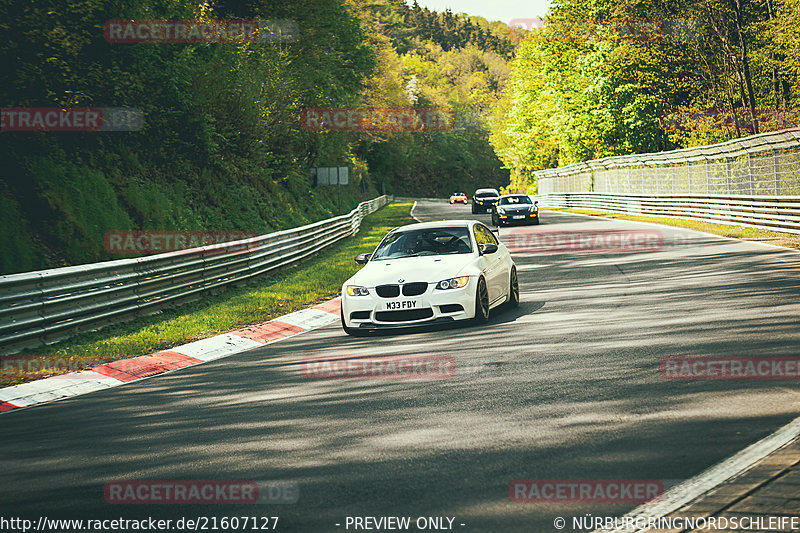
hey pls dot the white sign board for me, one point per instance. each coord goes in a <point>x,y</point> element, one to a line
<point>326,176</point>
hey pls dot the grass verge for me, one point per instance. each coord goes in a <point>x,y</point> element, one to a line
<point>314,281</point>
<point>788,240</point>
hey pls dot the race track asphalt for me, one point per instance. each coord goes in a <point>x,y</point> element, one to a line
<point>565,387</point>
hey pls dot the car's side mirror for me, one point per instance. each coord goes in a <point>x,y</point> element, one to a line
<point>487,248</point>
<point>362,259</point>
<point>536,202</point>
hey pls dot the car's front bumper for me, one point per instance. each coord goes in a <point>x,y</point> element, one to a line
<point>372,312</point>
<point>402,325</point>
<point>510,220</point>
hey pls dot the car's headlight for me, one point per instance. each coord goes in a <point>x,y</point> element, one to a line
<point>355,290</point>
<point>453,283</point>
<point>501,210</point>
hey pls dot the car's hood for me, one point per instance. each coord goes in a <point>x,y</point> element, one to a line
<point>430,269</point>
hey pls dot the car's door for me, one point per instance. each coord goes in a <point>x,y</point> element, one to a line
<point>493,266</point>
<point>503,267</point>
<point>504,256</point>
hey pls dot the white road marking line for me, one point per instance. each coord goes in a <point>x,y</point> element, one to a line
<point>216,347</point>
<point>682,494</point>
<point>412,212</point>
<point>531,267</point>
<point>309,318</point>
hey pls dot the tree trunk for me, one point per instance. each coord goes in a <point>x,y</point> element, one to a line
<point>780,87</point>
<point>751,99</point>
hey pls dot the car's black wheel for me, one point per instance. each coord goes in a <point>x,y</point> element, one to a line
<point>513,289</point>
<point>495,220</point>
<point>536,222</point>
<point>474,210</point>
<point>355,332</point>
<point>481,303</point>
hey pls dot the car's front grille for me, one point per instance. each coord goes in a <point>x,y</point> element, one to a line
<point>451,308</point>
<point>388,291</point>
<point>359,315</point>
<point>414,289</point>
<point>409,289</point>
<point>406,315</point>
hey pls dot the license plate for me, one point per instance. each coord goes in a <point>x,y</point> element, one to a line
<point>518,216</point>
<point>405,304</point>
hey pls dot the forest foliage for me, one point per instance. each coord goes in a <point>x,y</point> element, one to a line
<point>222,147</point>
<point>572,99</point>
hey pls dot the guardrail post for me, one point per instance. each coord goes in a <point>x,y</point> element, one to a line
<point>672,167</point>
<point>630,170</point>
<point>728,174</point>
<point>658,181</point>
<point>642,188</point>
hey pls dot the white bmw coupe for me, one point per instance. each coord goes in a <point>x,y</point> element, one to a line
<point>430,273</point>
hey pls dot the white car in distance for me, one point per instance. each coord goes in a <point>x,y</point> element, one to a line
<point>430,273</point>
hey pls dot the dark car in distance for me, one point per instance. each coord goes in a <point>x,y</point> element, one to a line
<point>483,200</point>
<point>515,209</point>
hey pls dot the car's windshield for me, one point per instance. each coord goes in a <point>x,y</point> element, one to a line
<point>514,200</point>
<point>485,194</point>
<point>424,242</point>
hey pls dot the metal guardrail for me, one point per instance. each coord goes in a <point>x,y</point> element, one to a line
<point>48,305</point>
<point>779,213</point>
<point>759,165</point>
<point>752,181</point>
